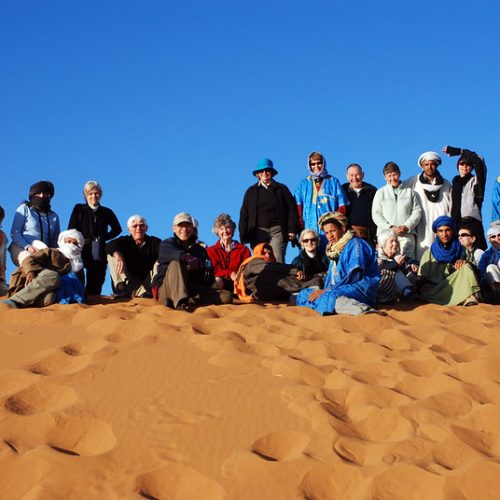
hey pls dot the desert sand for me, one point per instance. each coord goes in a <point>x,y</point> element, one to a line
<point>248,402</point>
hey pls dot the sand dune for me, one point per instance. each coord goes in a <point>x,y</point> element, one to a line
<point>133,400</point>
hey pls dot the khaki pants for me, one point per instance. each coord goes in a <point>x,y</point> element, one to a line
<point>176,288</point>
<point>134,286</point>
<point>39,291</point>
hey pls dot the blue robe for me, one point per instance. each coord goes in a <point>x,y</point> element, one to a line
<point>314,204</point>
<point>356,276</point>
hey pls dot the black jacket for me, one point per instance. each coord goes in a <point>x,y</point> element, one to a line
<point>139,260</point>
<point>172,249</point>
<point>359,210</point>
<point>286,208</point>
<point>101,223</point>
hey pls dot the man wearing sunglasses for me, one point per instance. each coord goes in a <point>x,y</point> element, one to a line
<point>132,259</point>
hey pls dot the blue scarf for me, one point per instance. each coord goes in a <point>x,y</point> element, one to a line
<point>454,250</point>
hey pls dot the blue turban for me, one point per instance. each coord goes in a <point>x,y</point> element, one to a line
<point>444,220</point>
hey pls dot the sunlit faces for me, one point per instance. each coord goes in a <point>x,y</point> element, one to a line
<point>355,177</point>
<point>265,176</point>
<point>316,166</point>
<point>445,234</point>
<point>333,232</point>
<point>267,252</point>
<point>225,232</point>
<point>391,247</point>
<point>466,239</point>
<point>464,168</point>
<point>429,167</point>
<point>184,230</point>
<point>93,197</point>
<point>393,178</point>
<point>138,230</point>
<point>309,242</point>
<point>494,240</point>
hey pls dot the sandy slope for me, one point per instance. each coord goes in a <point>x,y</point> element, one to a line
<point>123,400</point>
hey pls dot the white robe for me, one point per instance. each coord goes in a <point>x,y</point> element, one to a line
<point>430,212</point>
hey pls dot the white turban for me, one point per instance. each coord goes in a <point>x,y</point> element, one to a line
<point>429,155</point>
<point>71,251</point>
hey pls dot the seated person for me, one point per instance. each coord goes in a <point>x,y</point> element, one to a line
<point>397,271</point>
<point>467,237</point>
<point>448,279</point>
<point>132,259</point>
<point>185,274</point>
<point>3,255</point>
<point>311,260</point>
<point>489,265</point>
<point>227,254</point>
<point>353,277</point>
<point>40,273</point>
<point>260,277</point>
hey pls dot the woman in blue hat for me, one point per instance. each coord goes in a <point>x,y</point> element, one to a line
<point>268,213</point>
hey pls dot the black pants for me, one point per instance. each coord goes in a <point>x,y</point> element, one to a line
<point>95,276</point>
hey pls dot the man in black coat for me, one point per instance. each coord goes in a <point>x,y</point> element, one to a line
<point>185,274</point>
<point>132,259</point>
<point>269,212</point>
<point>359,210</point>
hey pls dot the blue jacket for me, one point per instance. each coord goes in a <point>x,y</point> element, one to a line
<point>314,204</point>
<point>356,276</point>
<point>29,225</point>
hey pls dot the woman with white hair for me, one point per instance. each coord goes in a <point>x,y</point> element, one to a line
<point>311,260</point>
<point>98,225</point>
<point>434,193</point>
<point>227,254</point>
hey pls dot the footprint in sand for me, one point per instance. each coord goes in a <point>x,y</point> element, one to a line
<point>281,446</point>
<point>41,397</point>
<point>178,482</point>
<point>481,481</point>
<point>332,482</point>
<point>82,435</point>
<point>58,363</point>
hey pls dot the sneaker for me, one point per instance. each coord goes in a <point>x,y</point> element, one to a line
<point>470,301</point>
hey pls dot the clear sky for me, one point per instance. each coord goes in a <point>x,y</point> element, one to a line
<point>170,104</point>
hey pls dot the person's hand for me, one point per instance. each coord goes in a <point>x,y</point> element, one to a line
<point>314,295</point>
<point>445,150</point>
<point>30,277</point>
<point>31,249</point>
<point>119,262</point>
<point>233,276</point>
<point>459,264</point>
<point>219,283</point>
<point>301,275</point>
<point>399,259</point>
<point>404,229</point>
<point>192,263</point>
<point>291,236</point>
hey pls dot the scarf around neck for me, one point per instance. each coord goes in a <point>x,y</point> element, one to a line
<point>431,190</point>
<point>333,250</point>
<point>448,255</point>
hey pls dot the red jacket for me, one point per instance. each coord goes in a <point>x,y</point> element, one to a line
<point>227,262</point>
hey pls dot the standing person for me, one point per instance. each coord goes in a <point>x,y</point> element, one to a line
<point>318,193</point>
<point>132,259</point>
<point>353,277</point>
<point>3,255</point>
<point>448,279</point>
<point>396,207</point>
<point>185,275</point>
<point>268,213</point>
<point>434,193</point>
<point>359,210</point>
<point>227,254</point>
<point>495,200</point>
<point>467,190</point>
<point>98,224</point>
<point>34,220</point>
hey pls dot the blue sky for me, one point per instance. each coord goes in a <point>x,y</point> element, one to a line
<point>171,104</point>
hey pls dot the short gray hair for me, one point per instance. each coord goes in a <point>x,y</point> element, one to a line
<point>136,218</point>
<point>223,220</point>
<point>91,185</point>
<point>305,232</point>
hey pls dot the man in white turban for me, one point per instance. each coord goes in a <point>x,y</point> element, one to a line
<point>39,275</point>
<point>434,194</point>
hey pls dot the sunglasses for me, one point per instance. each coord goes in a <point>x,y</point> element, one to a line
<point>494,236</point>
<point>309,240</point>
<point>464,235</point>
<point>133,226</point>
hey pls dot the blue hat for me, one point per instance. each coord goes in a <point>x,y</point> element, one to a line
<point>265,164</point>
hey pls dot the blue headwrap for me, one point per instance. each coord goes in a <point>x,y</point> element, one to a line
<point>454,250</point>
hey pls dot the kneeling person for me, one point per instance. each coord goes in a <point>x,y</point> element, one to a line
<point>185,274</point>
<point>39,275</point>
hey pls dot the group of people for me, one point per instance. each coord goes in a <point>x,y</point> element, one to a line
<point>418,240</point>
